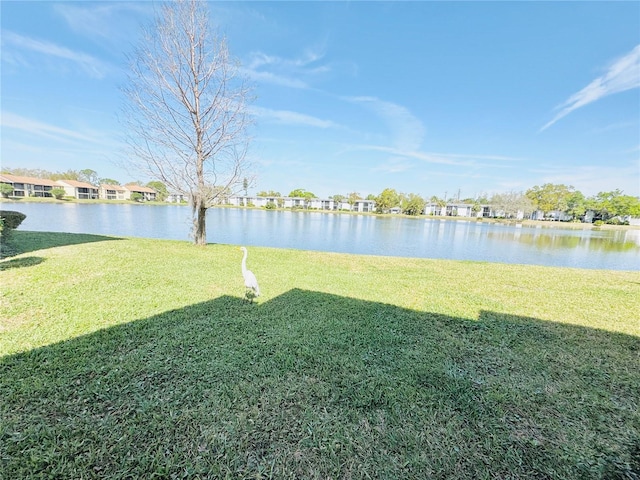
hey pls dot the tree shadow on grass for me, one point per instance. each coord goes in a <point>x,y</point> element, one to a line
<point>312,385</point>
<point>20,262</point>
<point>21,241</point>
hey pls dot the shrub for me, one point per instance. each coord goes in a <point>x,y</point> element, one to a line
<point>136,197</point>
<point>617,221</point>
<point>5,189</point>
<point>8,222</point>
<point>597,223</point>
<point>270,206</point>
<point>11,220</point>
<point>57,193</point>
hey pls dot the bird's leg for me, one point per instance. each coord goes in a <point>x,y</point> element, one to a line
<point>250,295</point>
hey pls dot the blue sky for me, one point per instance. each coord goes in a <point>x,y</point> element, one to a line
<point>431,98</point>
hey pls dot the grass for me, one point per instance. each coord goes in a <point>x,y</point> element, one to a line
<point>135,358</point>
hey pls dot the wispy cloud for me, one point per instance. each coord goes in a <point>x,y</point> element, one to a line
<point>274,79</point>
<point>304,61</point>
<point>36,128</point>
<point>292,118</point>
<point>454,159</point>
<point>406,137</point>
<point>622,75</point>
<point>91,65</point>
<point>616,126</point>
<point>476,158</point>
<point>96,20</point>
<point>394,165</point>
<point>286,72</point>
<point>416,155</point>
<point>407,131</point>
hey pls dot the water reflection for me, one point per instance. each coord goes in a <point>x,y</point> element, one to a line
<point>613,242</point>
<point>632,236</point>
<point>363,234</point>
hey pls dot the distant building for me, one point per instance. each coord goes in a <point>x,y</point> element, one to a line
<point>79,190</point>
<point>553,215</point>
<point>247,201</point>
<point>148,194</point>
<point>295,202</point>
<point>457,210</point>
<point>301,202</point>
<point>322,204</point>
<point>176,198</point>
<point>364,206</point>
<point>29,186</point>
<point>113,192</point>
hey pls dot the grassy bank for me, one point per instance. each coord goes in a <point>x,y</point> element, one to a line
<point>129,358</point>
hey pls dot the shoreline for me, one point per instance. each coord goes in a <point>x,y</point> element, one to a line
<point>506,222</point>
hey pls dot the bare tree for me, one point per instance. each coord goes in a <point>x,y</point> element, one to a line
<point>186,115</point>
<point>508,204</point>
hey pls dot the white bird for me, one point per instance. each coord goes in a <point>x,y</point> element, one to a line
<point>250,280</point>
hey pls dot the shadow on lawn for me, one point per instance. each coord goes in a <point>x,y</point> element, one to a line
<point>312,385</point>
<point>21,241</point>
<point>20,262</point>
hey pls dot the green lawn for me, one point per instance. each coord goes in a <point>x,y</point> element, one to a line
<point>135,358</point>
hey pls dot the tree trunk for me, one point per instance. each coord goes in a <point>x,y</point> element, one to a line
<point>199,222</point>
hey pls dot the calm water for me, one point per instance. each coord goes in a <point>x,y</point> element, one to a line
<point>406,237</point>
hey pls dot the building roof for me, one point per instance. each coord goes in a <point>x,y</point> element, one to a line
<point>76,184</point>
<point>7,178</point>
<point>138,188</point>
<point>119,188</point>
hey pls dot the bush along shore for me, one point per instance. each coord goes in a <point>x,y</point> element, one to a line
<point>137,358</point>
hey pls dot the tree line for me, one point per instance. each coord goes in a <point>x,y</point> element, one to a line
<point>546,198</point>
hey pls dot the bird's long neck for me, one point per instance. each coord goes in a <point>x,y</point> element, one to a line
<point>244,262</point>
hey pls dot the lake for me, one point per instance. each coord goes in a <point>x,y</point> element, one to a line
<point>419,237</point>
